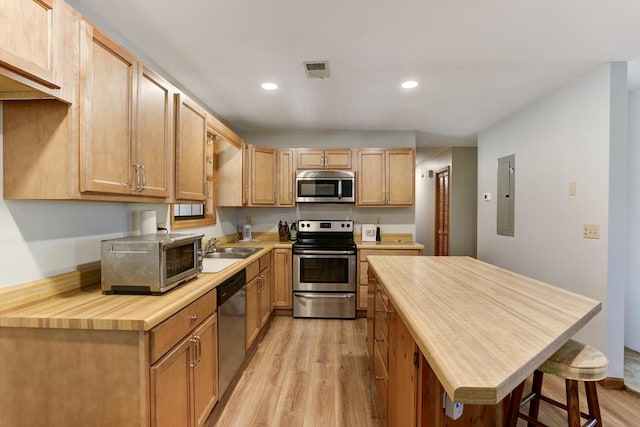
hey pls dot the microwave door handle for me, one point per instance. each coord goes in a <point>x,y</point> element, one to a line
<point>339,189</point>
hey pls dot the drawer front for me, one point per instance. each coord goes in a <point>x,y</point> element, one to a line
<point>168,333</point>
<point>252,270</point>
<point>265,261</point>
<point>382,341</point>
<point>381,379</point>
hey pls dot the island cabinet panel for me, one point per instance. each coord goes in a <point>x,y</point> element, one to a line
<point>282,287</point>
<point>28,44</point>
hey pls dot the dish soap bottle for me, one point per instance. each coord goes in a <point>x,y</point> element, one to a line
<point>294,231</point>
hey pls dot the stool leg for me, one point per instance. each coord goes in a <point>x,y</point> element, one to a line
<point>573,404</point>
<point>514,406</point>
<point>592,401</point>
<point>534,406</point>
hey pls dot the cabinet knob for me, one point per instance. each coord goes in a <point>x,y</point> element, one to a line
<point>194,317</point>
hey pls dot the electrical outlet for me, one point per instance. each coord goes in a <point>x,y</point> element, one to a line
<point>248,219</point>
<point>591,231</point>
<point>378,220</point>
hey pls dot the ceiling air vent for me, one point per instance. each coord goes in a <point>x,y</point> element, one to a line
<point>316,69</point>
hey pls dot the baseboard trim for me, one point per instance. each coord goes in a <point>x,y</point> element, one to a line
<point>612,383</point>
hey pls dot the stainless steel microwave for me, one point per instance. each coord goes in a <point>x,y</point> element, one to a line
<point>325,186</point>
<point>149,264</point>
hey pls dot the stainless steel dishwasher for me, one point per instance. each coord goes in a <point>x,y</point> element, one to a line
<point>232,296</point>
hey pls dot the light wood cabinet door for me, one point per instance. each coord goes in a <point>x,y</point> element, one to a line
<point>386,177</point>
<point>371,178</point>
<point>263,175</point>
<point>27,34</point>
<point>253,311</point>
<point>400,177</point>
<point>323,159</point>
<point>205,371</point>
<point>171,388</point>
<point>107,99</point>
<point>231,163</point>
<point>266,304</point>
<point>153,149</point>
<point>191,132</point>
<point>286,178</point>
<point>282,288</point>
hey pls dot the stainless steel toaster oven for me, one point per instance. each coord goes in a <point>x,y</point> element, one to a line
<point>149,264</point>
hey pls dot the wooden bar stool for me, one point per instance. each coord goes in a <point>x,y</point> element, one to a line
<point>574,362</point>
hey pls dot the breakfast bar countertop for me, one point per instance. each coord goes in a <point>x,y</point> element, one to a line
<point>481,328</point>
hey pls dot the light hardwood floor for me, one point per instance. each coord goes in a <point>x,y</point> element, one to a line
<point>310,372</point>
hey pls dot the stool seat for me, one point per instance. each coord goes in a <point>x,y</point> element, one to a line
<point>574,362</point>
<point>577,361</point>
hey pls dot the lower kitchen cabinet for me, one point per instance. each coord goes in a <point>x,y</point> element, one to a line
<point>363,268</point>
<point>258,304</point>
<point>187,376</point>
<point>282,288</point>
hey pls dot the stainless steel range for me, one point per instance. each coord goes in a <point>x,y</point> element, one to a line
<point>324,270</point>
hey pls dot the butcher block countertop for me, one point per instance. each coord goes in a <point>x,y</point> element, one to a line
<point>481,328</point>
<point>87,308</point>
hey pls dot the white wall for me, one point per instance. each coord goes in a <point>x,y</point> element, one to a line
<point>632,298</point>
<point>463,201</point>
<point>563,137</point>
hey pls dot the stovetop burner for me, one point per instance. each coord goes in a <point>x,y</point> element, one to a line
<point>325,235</point>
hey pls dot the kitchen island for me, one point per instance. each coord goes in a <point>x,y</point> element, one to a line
<point>480,330</point>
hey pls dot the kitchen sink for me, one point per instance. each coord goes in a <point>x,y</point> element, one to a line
<point>233,253</point>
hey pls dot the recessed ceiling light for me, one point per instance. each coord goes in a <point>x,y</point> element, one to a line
<point>409,84</point>
<point>269,86</point>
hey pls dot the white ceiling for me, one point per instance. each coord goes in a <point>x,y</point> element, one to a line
<point>477,61</point>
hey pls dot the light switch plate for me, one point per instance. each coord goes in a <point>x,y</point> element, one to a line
<point>572,188</point>
<point>591,231</point>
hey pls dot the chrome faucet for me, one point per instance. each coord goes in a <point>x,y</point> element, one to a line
<point>211,245</point>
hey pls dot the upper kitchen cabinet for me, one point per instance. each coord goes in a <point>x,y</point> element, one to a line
<point>126,116</point>
<point>32,34</point>
<point>285,177</point>
<point>232,167</point>
<point>386,177</point>
<point>263,177</point>
<point>337,158</point>
<point>191,132</point>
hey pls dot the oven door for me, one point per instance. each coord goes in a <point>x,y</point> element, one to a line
<point>324,272</point>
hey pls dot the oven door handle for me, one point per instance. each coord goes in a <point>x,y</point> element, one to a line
<point>320,252</point>
<point>323,295</point>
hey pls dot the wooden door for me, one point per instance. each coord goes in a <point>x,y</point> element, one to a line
<point>441,246</point>
<point>107,97</point>
<point>191,132</point>
<point>170,386</point>
<point>253,311</point>
<point>371,178</point>
<point>400,177</point>
<point>282,288</point>
<point>154,142</point>
<point>205,372</point>
<point>263,175</point>
<point>27,34</point>
<point>285,178</point>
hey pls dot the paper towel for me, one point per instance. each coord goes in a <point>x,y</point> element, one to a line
<point>148,224</point>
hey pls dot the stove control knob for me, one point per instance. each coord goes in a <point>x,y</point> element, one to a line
<point>348,225</point>
<point>342,225</point>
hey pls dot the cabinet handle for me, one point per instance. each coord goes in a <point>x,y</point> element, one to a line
<point>194,358</point>
<point>379,339</point>
<point>194,317</point>
<point>144,178</point>
<point>207,192</point>
<point>137,178</point>
<point>198,349</point>
<point>379,378</point>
